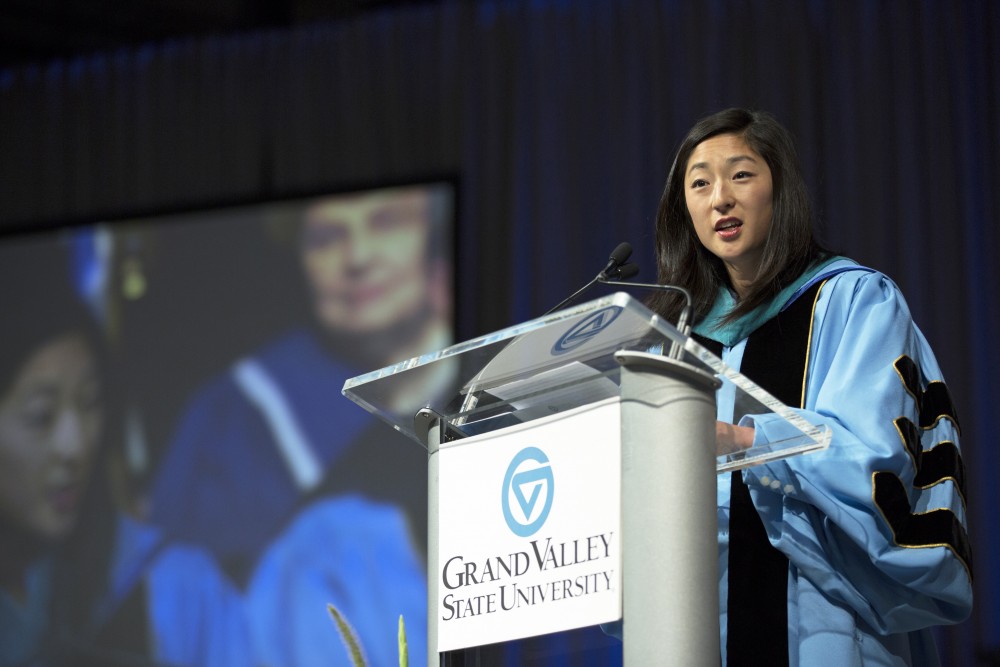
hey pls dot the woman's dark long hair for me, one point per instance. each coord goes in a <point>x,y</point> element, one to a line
<point>790,246</point>
<point>39,306</point>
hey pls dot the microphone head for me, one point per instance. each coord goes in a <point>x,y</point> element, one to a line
<point>626,271</point>
<point>621,253</point>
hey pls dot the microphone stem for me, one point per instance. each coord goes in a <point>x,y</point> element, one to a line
<point>682,320</point>
<point>572,296</point>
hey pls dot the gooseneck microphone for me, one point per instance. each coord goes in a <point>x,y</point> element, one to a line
<point>616,272</point>
<point>615,268</point>
<point>618,257</point>
<point>682,320</point>
<point>623,272</point>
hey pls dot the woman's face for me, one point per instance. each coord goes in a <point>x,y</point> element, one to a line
<point>50,424</point>
<point>728,192</point>
<point>366,259</point>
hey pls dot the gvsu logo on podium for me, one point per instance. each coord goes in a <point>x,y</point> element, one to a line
<point>587,329</point>
<point>527,492</point>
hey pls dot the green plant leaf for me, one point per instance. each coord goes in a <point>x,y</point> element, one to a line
<point>404,651</point>
<point>348,635</point>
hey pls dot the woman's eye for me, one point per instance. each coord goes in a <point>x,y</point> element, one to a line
<point>319,238</point>
<point>743,174</point>
<point>699,183</point>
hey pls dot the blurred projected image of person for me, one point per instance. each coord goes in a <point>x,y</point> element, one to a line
<point>80,584</point>
<point>373,265</point>
<point>279,475</point>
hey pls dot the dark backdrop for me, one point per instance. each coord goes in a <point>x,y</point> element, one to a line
<point>560,119</point>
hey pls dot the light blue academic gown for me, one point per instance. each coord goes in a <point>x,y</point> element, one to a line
<point>866,578</point>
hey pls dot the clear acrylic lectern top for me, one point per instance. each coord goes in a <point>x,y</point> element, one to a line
<point>555,363</point>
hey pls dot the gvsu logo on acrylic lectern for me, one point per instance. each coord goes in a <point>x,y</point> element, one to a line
<point>528,489</point>
<point>586,329</point>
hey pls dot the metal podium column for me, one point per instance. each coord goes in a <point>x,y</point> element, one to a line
<point>669,526</point>
<point>433,443</point>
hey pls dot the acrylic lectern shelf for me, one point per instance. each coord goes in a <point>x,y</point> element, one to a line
<point>556,363</point>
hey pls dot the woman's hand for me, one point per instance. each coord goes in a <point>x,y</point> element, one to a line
<point>730,438</point>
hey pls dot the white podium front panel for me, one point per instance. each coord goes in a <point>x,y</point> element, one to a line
<point>530,525</point>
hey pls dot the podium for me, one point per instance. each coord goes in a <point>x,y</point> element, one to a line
<point>571,478</point>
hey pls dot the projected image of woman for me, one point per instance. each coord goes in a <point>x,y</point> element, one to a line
<point>371,262</point>
<point>80,583</point>
<point>276,473</point>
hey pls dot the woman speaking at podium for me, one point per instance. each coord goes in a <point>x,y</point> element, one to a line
<point>849,555</point>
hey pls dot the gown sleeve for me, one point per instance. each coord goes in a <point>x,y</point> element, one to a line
<point>349,552</point>
<point>877,521</point>
<point>197,618</point>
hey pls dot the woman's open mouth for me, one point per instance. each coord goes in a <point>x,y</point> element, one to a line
<point>728,228</point>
